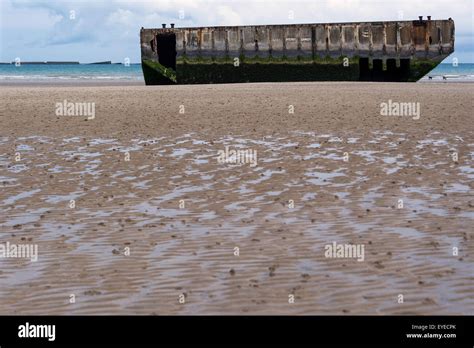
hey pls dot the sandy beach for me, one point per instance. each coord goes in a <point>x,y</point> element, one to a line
<point>133,213</point>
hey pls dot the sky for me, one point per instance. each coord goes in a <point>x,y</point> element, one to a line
<point>100,30</point>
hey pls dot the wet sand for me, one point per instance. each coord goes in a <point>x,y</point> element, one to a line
<point>334,171</point>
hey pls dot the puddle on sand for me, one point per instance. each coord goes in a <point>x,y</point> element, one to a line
<point>19,196</point>
<point>122,203</point>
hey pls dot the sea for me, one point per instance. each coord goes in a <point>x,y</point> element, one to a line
<point>133,73</point>
<point>453,73</point>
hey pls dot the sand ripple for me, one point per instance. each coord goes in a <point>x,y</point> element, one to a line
<point>188,250</point>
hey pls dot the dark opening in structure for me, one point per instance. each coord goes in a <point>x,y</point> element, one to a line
<point>166,49</point>
<point>391,74</point>
<point>377,72</point>
<point>392,69</point>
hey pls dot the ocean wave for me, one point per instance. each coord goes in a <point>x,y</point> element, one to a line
<point>448,77</point>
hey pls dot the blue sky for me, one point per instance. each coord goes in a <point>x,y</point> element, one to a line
<point>96,30</point>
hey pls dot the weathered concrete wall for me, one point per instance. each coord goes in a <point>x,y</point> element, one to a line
<point>432,39</point>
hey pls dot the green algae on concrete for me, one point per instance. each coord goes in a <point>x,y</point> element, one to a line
<point>157,74</point>
<point>420,67</point>
<point>184,59</point>
<point>266,72</point>
<point>256,69</point>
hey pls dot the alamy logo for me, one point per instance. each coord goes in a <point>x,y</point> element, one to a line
<point>400,109</point>
<point>76,109</point>
<point>345,251</point>
<point>37,331</point>
<point>28,251</point>
<point>237,156</point>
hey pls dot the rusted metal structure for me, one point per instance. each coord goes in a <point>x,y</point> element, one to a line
<point>366,51</point>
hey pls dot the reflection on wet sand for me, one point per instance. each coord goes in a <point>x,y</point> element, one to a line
<point>181,214</point>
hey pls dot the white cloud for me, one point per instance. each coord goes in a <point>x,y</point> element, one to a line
<point>120,17</point>
<point>227,16</point>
